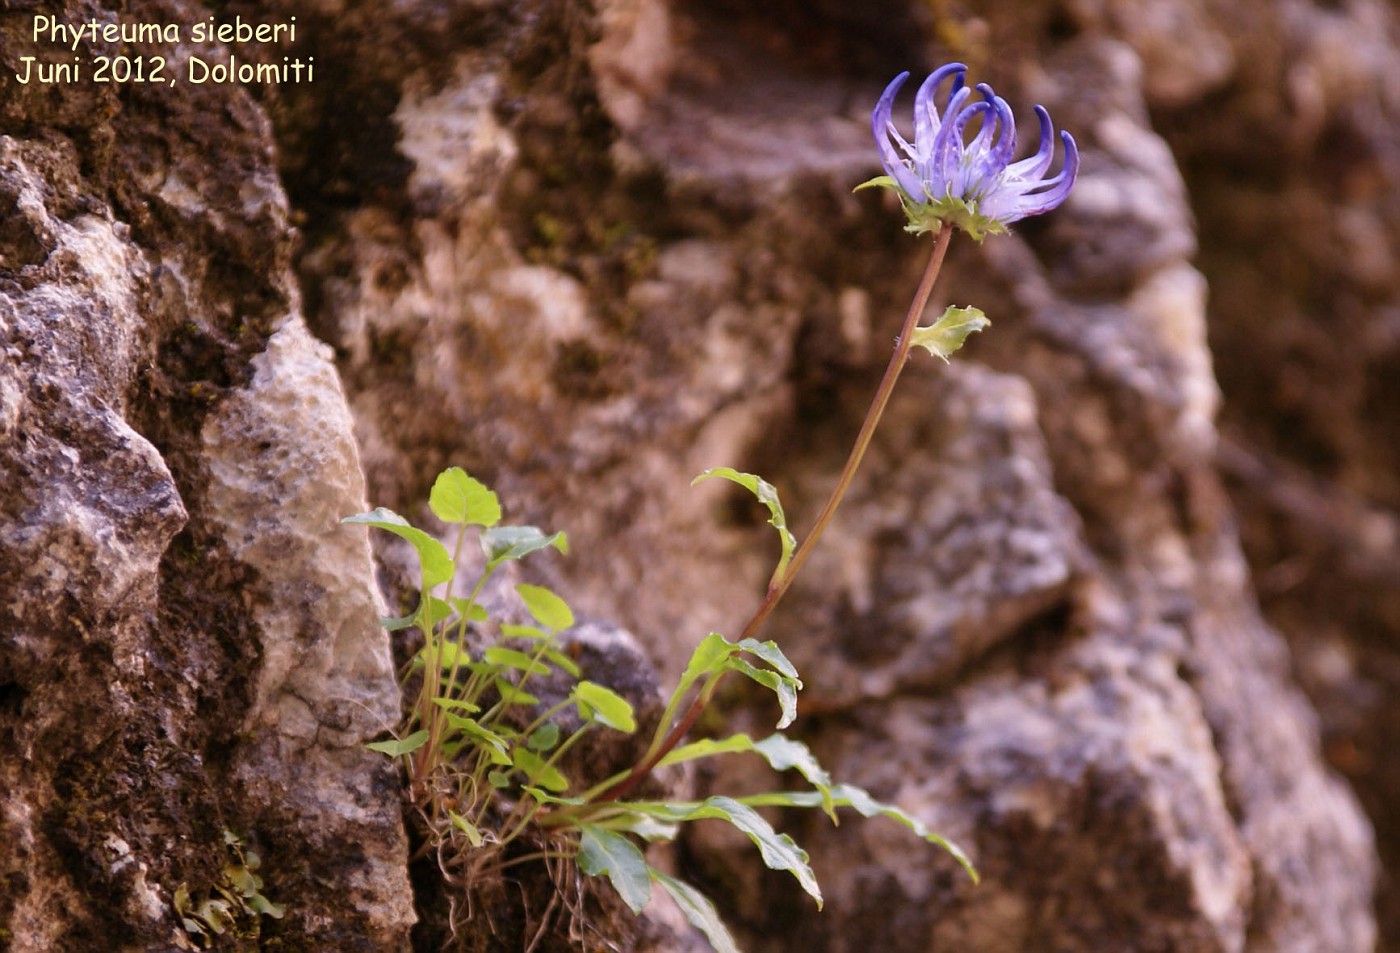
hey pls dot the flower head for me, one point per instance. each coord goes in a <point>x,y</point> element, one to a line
<point>943,178</point>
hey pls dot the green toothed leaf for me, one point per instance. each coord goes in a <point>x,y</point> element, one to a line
<point>848,795</point>
<point>948,333</point>
<point>767,495</point>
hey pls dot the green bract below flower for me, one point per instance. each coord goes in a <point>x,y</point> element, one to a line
<point>942,178</point>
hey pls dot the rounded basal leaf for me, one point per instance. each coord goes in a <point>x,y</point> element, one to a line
<point>512,695</point>
<point>459,499</point>
<point>544,738</point>
<point>529,632</point>
<point>468,609</point>
<point>562,661</point>
<point>601,704</point>
<point>539,772</point>
<point>431,611</point>
<point>548,609</point>
<point>449,654</point>
<point>503,657</point>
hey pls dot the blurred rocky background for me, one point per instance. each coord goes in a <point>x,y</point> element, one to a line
<point>1115,601</point>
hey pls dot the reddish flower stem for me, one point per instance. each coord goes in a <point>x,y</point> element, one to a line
<point>778,587</point>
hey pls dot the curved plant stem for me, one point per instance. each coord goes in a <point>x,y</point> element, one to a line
<point>779,586</point>
<point>867,431</point>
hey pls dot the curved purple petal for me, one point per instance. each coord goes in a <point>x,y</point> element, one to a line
<point>880,118</point>
<point>972,167</point>
<point>1034,166</point>
<point>944,158</point>
<point>883,127</point>
<point>926,121</point>
<point>1006,145</point>
<point>982,144</point>
<point>1040,202</point>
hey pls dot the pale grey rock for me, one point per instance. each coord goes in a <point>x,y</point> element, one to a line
<point>283,470</point>
<point>953,539</point>
<point>151,638</point>
<point>89,508</point>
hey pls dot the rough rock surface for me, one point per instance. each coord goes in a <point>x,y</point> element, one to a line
<point>587,249</point>
<point>187,645</point>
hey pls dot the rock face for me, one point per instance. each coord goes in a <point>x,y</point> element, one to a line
<point>189,659</point>
<point>586,250</point>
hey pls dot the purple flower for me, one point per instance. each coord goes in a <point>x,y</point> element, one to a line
<point>943,178</point>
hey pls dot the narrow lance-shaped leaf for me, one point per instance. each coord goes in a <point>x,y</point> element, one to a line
<point>770,653</point>
<point>400,746</point>
<point>467,828</point>
<point>779,851</point>
<point>715,653</point>
<point>767,495</point>
<point>497,748</point>
<point>948,333</point>
<point>709,656</point>
<point>395,623</point>
<point>848,795</point>
<point>602,851</point>
<point>698,910</point>
<point>781,753</point>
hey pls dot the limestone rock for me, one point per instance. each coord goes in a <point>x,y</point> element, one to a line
<point>189,655</point>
